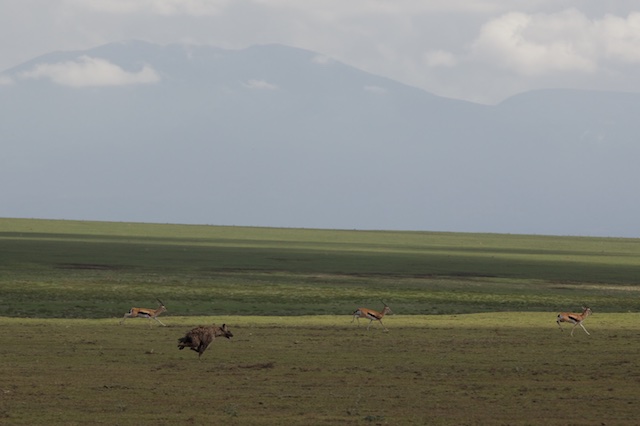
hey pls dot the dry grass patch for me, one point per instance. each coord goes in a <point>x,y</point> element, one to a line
<point>465,369</point>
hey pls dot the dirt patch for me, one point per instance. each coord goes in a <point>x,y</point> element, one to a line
<point>258,366</point>
<point>90,266</point>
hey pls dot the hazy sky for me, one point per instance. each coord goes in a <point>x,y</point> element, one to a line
<point>480,50</point>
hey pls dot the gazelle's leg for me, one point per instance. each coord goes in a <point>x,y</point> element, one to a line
<point>560,325</point>
<point>159,321</point>
<point>574,327</point>
<point>585,330</point>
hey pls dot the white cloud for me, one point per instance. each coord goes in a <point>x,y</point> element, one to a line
<point>566,41</point>
<point>440,58</point>
<point>5,80</point>
<point>87,71</point>
<point>260,84</point>
<point>321,59</point>
<point>375,89</point>
<point>621,37</point>
<point>538,44</point>
<point>341,8</point>
<point>470,49</point>
<point>154,7</point>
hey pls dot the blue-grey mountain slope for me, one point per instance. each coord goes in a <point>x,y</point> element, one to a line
<point>278,136</point>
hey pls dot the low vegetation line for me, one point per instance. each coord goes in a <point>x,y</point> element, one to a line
<point>482,320</point>
<point>75,269</point>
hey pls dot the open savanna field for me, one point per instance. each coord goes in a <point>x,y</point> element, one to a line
<point>473,338</point>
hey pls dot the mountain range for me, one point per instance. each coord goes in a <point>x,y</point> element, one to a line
<point>278,136</point>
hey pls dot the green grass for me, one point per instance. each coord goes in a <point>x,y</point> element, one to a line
<point>71,269</point>
<point>497,368</point>
<point>473,341</point>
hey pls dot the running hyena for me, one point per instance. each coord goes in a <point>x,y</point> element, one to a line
<point>199,338</point>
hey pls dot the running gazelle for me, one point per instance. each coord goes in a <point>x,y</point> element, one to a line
<point>371,315</point>
<point>574,318</point>
<point>146,313</point>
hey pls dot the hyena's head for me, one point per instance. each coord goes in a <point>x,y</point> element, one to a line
<point>224,332</point>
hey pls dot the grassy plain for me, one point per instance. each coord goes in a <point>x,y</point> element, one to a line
<point>472,369</point>
<point>72,269</point>
<point>473,340</point>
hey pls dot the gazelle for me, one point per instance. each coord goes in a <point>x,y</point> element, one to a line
<point>371,315</point>
<point>574,318</point>
<point>146,313</point>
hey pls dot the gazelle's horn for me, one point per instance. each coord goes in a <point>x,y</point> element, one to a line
<point>160,301</point>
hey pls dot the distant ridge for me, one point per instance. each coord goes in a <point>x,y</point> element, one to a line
<point>278,136</point>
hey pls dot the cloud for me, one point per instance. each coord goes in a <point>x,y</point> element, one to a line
<point>480,50</point>
<point>154,7</point>
<point>86,71</point>
<point>538,44</point>
<point>260,85</point>
<point>566,41</point>
<point>340,8</point>
<point>440,58</point>
<point>621,37</point>
<point>5,80</point>
<point>322,59</point>
<point>375,89</point>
